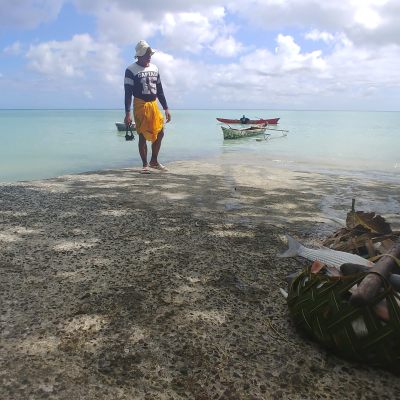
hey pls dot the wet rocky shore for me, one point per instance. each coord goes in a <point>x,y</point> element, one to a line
<point>117,285</point>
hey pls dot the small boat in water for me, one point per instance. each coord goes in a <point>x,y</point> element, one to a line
<point>231,133</point>
<point>122,127</point>
<point>272,121</point>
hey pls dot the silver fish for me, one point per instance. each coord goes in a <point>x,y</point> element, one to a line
<point>334,258</point>
<point>331,258</point>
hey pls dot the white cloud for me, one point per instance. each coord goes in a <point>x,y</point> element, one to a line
<point>14,50</point>
<point>356,47</point>
<point>187,32</point>
<point>367,17</point>
<point>315,35</point>
<point>365,67</point>
<point>337,87</point>
<point>289,77</point>
<point>371,91</point>
<point>217,13</point>
<point>262,71</point>
<point>123,26</point>
<point>154,10</point>
<point>193,26</point>
<point>183,25</point>
<point>227,47</point>
<point>176,83</point>
<point>363,22</point>
<point>291,59</point>
<point>28,14</point>
<point>76,57</point>
<point>126,23</point>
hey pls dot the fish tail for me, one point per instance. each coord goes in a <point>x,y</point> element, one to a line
<point>293,250</point>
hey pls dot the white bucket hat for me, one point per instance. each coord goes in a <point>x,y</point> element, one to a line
<point>141,49</point>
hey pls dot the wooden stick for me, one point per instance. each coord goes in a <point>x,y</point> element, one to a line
<point>372,283</point>
<point>352,269</point>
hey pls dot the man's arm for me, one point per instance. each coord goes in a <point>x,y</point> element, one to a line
<point>161,96</point>
<point>163,100</point>
<point>128,86</point>
<point>128,120</point>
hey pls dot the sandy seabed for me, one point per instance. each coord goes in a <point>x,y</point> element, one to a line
<point>118,285</point>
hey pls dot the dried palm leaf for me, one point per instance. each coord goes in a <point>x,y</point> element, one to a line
<point>366,222</point>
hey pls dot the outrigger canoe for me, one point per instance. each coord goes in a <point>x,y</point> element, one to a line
<point>272,121</point>
<point>231,133</point>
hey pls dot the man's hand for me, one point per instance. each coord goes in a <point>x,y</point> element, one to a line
<point>128,121</point>
<point>167,115</point>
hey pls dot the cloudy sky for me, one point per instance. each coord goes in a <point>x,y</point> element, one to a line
<point>231,54</point>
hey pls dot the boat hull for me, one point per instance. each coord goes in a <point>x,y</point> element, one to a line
<point>230,133</point>
<point>122,127</point>
<point>272,121</point>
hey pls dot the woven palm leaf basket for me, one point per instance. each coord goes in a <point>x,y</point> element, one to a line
<point>360,243</point>
<point>319,306</point>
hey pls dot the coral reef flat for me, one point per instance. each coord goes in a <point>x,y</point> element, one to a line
<point>119,285</point>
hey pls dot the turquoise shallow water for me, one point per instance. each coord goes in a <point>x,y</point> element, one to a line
<point>37,144</point>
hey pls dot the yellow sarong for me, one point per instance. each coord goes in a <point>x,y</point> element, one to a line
<point>148,118</point>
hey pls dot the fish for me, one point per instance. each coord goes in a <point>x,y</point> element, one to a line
<point>331,258</point>
<point>328,258</point>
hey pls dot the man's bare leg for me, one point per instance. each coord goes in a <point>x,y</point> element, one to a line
<point>143,150</point>
<point>155,148</point>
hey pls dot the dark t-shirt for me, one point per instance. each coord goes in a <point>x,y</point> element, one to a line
<point>144,83</point>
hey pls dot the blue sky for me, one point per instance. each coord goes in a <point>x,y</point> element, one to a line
<point>267,54</point>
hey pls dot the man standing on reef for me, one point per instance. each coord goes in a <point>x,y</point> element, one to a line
<point>142,81</point>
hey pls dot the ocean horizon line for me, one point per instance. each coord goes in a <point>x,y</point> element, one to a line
<point>199,109</point>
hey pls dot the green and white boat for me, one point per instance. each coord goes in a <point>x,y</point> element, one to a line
<point>231,133</point>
